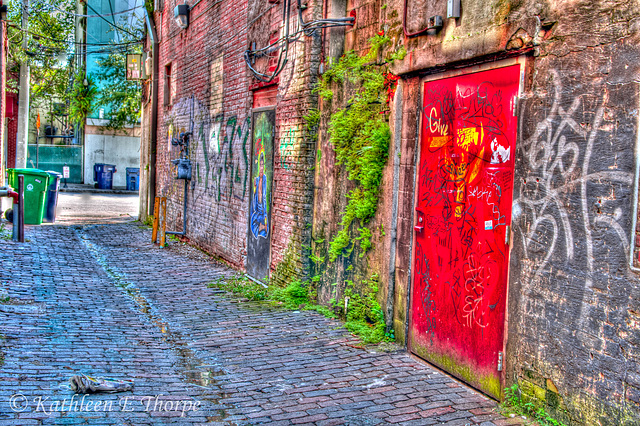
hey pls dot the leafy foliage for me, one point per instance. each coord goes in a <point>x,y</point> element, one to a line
<point>118,95</point>
<point>364,314</point>
<point>82,98</point>
<point>515,404</point>
<point>360,136</point>
<point>51,37</point>
<point>240,285</point>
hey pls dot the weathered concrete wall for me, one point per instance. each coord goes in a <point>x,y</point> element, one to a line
<point>332,184</point>
<point>121,149</point>
<point>573,299</point>
<point>573,328</point>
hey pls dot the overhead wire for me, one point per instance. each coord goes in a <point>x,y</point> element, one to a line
<point>114,22</point>
<point>282,44</point>
<point>79,15</point>
<point>36,35</point>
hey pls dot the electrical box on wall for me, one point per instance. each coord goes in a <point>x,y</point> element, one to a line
<point>453,8</point>
<point>435,22</point>
<point>183,168</point>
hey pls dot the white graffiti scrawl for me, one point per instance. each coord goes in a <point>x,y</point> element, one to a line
<point>558,157</point>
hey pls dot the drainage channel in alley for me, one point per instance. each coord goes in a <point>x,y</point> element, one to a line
<point>195,371</point>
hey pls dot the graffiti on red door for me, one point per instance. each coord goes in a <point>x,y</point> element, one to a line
<point>463,210</point>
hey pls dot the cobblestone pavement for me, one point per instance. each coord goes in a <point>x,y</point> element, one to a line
<point>101,300</point>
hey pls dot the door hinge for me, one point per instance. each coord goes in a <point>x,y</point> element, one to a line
<point>499,361</point>
<point>507,235</point>
<point>515,105</point>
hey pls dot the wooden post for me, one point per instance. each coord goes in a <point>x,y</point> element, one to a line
<point>156,217</point>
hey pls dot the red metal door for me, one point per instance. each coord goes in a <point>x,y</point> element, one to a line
<point>463,216</point>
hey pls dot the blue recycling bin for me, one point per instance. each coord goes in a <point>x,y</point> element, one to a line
<point>52,196</point>
<point>103,175</point>
<point>133,178</point>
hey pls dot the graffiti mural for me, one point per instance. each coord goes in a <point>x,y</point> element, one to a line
<point>259,238</point>
<point>463,211</point>
<point>287,147</point>
<point>226,172</point>
<point>219,148</point>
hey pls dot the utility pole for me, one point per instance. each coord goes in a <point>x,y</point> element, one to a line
<point>22,142</point>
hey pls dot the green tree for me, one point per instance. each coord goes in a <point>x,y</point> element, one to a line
<point>49,49</point>
<point>119,96</point>
<point>83,96</point>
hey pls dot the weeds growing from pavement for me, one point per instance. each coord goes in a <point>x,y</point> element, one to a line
<point>5,234</point>
<point>515,404</point>
<point>364,316</point>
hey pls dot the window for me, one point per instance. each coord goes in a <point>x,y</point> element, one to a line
<point>169,86</point>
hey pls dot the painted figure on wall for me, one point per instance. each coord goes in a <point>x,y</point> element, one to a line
<point>259,217</point>
<point>259,207</point>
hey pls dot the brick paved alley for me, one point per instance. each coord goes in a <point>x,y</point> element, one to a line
<point>102,300</point>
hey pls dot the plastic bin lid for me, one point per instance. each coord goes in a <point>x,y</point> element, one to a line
<point>33,172</point>
<point>54,173</point>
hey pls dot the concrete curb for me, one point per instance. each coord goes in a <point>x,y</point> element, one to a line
<point>90,189</point>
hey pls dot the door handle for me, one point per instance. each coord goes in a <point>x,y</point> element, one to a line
<point>420,226</point>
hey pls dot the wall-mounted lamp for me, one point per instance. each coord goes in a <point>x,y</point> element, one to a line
<point>181,15</point>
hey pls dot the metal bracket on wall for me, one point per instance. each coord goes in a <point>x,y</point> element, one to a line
<point>434,23</point>
<point>453,9</point>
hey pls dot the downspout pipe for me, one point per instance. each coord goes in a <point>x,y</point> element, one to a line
<point>153,137</point>
<point>397,142</point>
<point>634,218</point>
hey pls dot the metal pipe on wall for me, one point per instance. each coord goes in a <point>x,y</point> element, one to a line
<point>397,141</point>
<point>153,137</point>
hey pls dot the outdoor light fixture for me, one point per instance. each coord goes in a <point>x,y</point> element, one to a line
<point>181,15</point>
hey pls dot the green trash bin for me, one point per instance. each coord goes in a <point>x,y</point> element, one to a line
<point>36,183</point>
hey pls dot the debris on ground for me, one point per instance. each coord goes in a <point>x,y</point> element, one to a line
<point>86,384</point>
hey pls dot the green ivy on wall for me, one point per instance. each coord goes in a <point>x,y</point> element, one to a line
<point>360,136</point>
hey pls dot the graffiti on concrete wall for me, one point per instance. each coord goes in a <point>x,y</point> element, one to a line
<point>562,171</point>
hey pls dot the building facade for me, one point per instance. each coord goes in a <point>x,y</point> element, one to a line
<point>504,241</point>
<point>108,22</point>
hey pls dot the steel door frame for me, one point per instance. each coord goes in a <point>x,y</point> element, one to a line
<point>520,60</point>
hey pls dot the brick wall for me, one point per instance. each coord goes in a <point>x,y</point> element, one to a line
<point>212,94</point>
<point>208,88</point>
